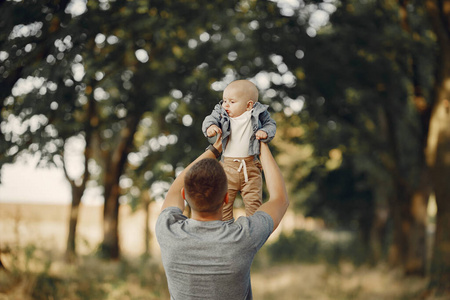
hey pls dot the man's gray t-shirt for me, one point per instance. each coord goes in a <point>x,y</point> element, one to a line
<point>210,260</point>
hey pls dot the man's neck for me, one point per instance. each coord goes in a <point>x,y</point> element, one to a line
<point>204,216</point>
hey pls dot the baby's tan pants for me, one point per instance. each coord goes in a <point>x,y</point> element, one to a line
<point>251,190</point>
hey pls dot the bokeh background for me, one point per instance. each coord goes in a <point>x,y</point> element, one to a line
<point>106,99</point>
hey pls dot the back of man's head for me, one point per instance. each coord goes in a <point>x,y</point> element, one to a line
<point>205,185</point>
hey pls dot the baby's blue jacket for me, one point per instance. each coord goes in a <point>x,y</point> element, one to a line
<point>260,120</point>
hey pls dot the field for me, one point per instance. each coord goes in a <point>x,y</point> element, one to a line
<point>34,238</point>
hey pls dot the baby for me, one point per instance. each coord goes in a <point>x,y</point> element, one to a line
<point>243,122</point>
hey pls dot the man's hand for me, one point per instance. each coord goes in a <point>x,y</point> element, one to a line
<point>218,143</point>
<point>213,130</point>
<point>261,135</point>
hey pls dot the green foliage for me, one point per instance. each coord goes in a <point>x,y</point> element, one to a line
<point>301,246</point>
<point>331,248</point>
<point>135,79</point>
<point>46,286</point>
<point>99,78</point>
<point>343,198</point>
<point>360,77</point>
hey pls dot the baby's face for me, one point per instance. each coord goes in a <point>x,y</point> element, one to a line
<point>235,103</point>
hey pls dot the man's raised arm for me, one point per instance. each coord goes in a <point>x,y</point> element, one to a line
<point>173,197</point>
<point>278,200</point>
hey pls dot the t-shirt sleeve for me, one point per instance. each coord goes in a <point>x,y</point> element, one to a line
<point>260,227</point>
<point>166,218</point>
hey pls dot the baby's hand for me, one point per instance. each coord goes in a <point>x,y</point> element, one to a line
<point>261,135</point>
<point>213,130</point>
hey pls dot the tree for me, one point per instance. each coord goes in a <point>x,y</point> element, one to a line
<point>40,89</point>
<point>151,62</point>
<point>438,147</point>
<point>359,77</point>
<point>179,81</point>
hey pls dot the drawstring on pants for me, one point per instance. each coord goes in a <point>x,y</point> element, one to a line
<point>243,165</point>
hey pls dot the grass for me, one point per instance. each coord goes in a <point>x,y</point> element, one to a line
<point>299,265</point>
<point>89,278</point>
<point>40,274</point>
<point>319,281</point>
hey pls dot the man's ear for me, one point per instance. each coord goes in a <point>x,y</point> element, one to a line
<point>250,104</point>
<point>226,199</point>
<point>183,194</point>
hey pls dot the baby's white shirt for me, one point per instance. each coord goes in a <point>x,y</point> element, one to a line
<point>241,132</point>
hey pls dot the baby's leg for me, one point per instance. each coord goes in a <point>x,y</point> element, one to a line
<point>227,213</point>
<point>252,190</point>
<point>233,188</point>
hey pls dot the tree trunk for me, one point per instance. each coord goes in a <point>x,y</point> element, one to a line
<point>406,207</point>
<point>146,201</point>
<point>439,159</point>
<point>377,238</point>
<point>2,266</point>
<point>110,245</point>
<point>78,190</point>
<point>77,193</point>
<point>440,265</point>
<point>438,148</point>
<point>409,212</point>
<point>402,224</point>
<point>115,166</point>
<point>399,202</point>
<point>415,260</point>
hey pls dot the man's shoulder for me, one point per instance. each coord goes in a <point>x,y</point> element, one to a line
<point>171,209</point>
<point>171,213</point>
<point>168,218</point>
<point>259,219</point>
<point>256,229</point>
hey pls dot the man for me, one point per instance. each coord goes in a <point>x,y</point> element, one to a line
<point>203,256</point>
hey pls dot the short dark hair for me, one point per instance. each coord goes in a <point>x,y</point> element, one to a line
<point>206,184</point>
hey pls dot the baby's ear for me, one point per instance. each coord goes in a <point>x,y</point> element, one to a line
<point>250,104</point>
